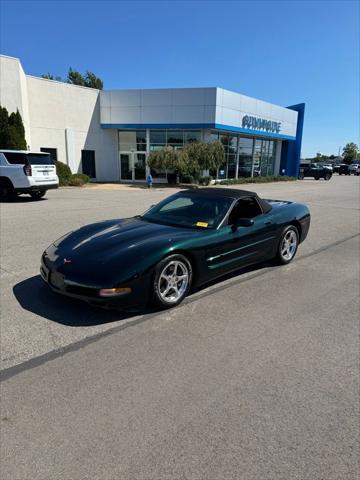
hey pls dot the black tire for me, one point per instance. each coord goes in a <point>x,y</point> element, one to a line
<point>38,194</point>
<point>301,176</point>
<point>166,265</point>
<point>327,176</point>
<point>280,257</point>
<point>317,178</point>
<point>7,191</point>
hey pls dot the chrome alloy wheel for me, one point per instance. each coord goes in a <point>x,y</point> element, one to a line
<point>173,281</point>
<point>288,245</point>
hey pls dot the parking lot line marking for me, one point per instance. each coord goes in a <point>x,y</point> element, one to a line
<point>34,362</point>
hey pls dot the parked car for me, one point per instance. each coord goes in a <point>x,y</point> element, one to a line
<point>344,169</point>
<point>329,166</point>
<point>336,168</point>
<point>355,169</point>
<point>186,240</point>
<point>314,170</point>
<point>26,172</point>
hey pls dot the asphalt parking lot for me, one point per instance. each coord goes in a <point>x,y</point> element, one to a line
<point>254,377</point>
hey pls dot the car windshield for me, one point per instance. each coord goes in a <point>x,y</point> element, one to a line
<point>189,210</point>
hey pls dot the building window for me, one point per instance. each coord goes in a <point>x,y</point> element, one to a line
<point>192,136</point>
<point>157,139</point>
<point>245,156</point>
<point>132,140</point>
<point>172,138</point>
<point>52,151</point>
<point>175,137</point>
<point>88,163</point>
<point>214,136</point>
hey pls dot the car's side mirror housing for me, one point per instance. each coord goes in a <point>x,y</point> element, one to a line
<point>242,222</point>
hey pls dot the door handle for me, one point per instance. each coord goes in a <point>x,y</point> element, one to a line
<point>269,222</point>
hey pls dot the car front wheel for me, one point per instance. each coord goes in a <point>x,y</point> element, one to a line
<point>288,245</point>
<point>172,281</point>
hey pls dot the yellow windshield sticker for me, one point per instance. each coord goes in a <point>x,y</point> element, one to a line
<point>202,224</point>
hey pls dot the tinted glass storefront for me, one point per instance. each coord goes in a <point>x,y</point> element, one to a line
<point>244,156</point>
<point>133,149</point>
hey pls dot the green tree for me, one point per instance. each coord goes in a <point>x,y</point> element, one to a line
<point>350,152</point>
<point>49,76</point>
<point>17,132</point>
<point>168,159</point>
<point>75,78</point>
<point>92,81</point>
<point>88,80</point>
<point>206,155</point>
<point>4,128</point>
<point>216,156</point>
<point>12,131</point>
<point>191,160</point>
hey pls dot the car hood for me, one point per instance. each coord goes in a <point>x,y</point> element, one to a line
<point>101,250</point>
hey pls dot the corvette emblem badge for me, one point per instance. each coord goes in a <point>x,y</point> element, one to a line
<point>67,260</point>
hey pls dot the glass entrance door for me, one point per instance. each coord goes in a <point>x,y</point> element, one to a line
<point>132,166</point>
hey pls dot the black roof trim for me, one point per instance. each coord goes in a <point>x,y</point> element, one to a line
<point>220,192</point>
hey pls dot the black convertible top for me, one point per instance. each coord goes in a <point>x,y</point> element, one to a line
<point>222,192</point>
<point>234,193</point>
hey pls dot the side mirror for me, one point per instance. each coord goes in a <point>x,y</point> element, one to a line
<point>242,222</point>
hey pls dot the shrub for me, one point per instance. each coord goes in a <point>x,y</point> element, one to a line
<point>63,172</point>
<point>205,180</point>
<point>187,179</point>
<point>270,178</point>
<point>83,177</point>
<point>78,180</point>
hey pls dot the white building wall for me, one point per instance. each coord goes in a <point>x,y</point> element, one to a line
<point>67,117</point>
<point>13,90</point>
<point>192,106</point>
<point>231,107</point>
<point>158,106</point>
<point>59,115</point>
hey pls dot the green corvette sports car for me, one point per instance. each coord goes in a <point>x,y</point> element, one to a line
<point>186,240</point>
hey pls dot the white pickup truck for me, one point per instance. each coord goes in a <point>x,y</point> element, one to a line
<point>26,172</point>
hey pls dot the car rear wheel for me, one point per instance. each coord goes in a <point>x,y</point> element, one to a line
<point>327,176</point>
<point>172,281</point>
<point>7,191</point>
<point>316,177</point>
<point>288,245</point>
<point>37,195</point>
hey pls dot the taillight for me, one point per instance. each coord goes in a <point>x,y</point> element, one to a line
<point>27,170</point>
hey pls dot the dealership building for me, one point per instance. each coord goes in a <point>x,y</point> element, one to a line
<point>108,134</point>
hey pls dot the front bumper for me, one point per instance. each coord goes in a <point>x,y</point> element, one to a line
<point>65,286</point>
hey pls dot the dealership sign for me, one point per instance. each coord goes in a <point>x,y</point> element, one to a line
<point>256,123</point>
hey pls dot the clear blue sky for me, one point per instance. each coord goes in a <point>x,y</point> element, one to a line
<point>284,52</point>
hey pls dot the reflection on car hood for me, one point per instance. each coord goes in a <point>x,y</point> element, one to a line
<point>104,248</point>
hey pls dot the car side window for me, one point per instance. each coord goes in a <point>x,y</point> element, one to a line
<point>244,208</point>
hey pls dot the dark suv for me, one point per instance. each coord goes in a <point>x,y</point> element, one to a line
<point>344,169</point>
<point>314,170</point>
